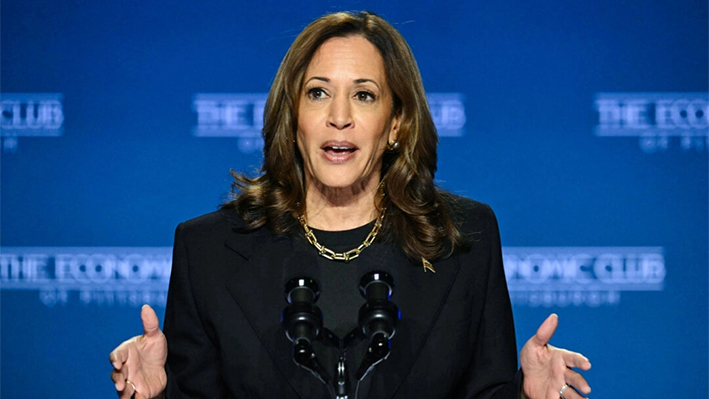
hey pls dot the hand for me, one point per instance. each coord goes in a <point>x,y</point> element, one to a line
<point>547,369</point>
<point>141,361</point>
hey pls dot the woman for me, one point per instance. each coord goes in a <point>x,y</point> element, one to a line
<point>349,161</point>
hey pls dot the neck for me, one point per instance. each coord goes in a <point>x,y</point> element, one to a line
<point>336,209</point>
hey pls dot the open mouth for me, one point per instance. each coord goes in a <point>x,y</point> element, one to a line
<point>339,149</point>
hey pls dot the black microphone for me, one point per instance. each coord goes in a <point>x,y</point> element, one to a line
<point>378,318</point>
<point>302,320</point>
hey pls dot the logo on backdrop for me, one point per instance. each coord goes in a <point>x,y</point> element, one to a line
<point>656,119</point>
<point>111,276</point>
<point>237,115</point>
<point>583,276</point>
<point>240,115</point>
<point>118,276</point>
<point>29,115</point>
<point>448,112</point>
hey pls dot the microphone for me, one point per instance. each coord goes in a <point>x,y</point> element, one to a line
<point>378,318</point>
<point>302,320</point>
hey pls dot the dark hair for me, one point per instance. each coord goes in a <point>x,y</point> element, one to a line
<point>413,202</point>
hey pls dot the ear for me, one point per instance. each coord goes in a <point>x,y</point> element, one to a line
<point>394,128</point>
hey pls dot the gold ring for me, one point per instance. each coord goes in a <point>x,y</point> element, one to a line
<point>131,384</point>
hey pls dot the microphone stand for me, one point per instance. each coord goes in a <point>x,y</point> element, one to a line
<point>303,324</point>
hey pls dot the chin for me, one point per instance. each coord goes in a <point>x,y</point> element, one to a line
<point>339,180</point>
<point>339,183</point>
<point>341,176</point>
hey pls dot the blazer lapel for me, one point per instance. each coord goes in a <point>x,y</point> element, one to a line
<point>420,295</point>
<point>257,287</point>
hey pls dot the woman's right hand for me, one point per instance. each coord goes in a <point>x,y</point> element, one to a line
<point>139,363</point>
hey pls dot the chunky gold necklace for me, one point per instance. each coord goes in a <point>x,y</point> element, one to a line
<point>345,256</point>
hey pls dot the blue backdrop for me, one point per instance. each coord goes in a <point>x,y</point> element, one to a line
<point>583,124</point>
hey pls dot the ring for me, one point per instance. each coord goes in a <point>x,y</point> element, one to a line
<point>561,391</point>
<point>133,385</point>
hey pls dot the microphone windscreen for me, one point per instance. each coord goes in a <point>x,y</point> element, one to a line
<point>301,269</point>
<point>376,286</point>
<point>378,291</point>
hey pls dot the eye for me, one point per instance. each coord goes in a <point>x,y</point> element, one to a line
<point>365,96</point>
<point>316,93</point>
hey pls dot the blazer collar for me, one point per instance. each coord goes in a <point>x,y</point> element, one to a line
<point>420,297</point>
<point>257,287</point>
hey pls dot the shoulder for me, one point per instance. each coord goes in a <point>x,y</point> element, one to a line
<point>469,215</point>
<point>476,223</point>
<point>220,222</point>
<point>218,234</point>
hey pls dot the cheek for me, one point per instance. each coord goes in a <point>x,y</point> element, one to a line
<point>383,137</point>
<point>304,134</point>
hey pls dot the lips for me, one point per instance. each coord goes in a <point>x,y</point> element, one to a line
<point>338,151</point>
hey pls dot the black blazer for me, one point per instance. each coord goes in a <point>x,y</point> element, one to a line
<point>222,322</point>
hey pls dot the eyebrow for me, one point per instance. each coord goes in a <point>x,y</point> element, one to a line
<point>362,80</point>
<point>356,81</point>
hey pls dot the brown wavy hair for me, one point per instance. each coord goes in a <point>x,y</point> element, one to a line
<point>413,202</point>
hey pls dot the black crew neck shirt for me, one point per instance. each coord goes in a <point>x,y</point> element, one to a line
<point>340,298</point>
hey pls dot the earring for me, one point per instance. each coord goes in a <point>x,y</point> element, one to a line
<point>393,146</point>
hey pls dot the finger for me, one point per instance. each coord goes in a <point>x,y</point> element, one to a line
<point>137,394</point>
<point>151,325</point>
<point>571,393</point>
<point>118,380</point>
<point>124,390</point>
<point>574,359</point>
<point>115,360</point>
<point>119,355</point>
<point>576,380</point>
<point>546,330</point>
<point>128,392</point>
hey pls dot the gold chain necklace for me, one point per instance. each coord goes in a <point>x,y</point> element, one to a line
<point>345,256</point>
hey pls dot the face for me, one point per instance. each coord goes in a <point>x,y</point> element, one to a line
<point>345,115</point>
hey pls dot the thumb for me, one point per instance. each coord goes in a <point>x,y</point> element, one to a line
<point>151,325</point>
<point>546,330</point>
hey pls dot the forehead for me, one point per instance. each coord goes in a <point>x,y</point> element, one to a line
<point>347,57</point>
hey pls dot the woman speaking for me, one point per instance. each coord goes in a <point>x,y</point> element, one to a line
<point>345,194</point>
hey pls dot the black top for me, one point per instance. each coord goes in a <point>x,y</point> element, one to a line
<point>340,298</point>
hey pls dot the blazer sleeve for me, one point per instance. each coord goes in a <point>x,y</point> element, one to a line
<point>492,371</point>
<point>193,366</point>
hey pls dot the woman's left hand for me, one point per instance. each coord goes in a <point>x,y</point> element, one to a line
<point>548,369</point>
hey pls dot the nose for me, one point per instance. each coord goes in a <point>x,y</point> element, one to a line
<point>340,113</point>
